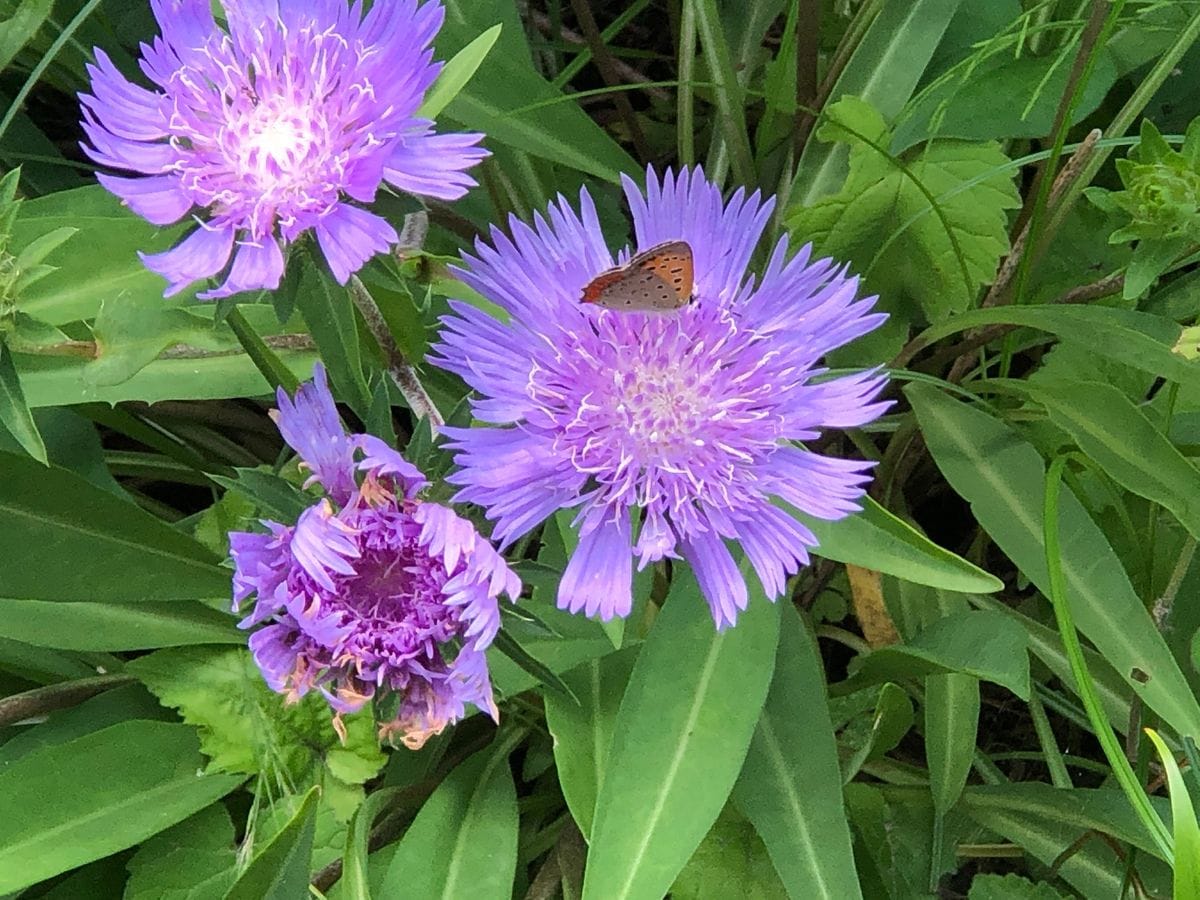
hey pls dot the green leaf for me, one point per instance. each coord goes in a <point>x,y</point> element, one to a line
<point>21,26</point>
<point>463,843</point>
<point>951,726</point>
<point>194,860</point>
<point>329,314</point>
<point>583,729</point>
<point>14,411</point>
<point>98,795</point>
<point>682,731</point>
<point>130,332</point>
<point>115,626</point>
<point>456,73</point>
<point>731,861</point>
<point>986,645</point>
<point>354,883</point>
<point>246,727</point>
<point>508,645</point>
<point>99,263</point>
<point>883,71</point>
<point>274,496</point>
<point>790,786</point>
<point>1002,477</point>
<point>1136,339</point>
<point>117,552</point>
<point>496,101</point>
<point>874,738</point>
<point>1186,830</point>
<point>1010,887</point>
<point>280,871</point>
<point>876,539</point>
<point>885,224</point>
<point>1004,97</point>
<point>61,381</point>
<point>1126,445</point>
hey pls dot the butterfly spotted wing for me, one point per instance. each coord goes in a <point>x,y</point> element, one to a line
<point>657,280</point>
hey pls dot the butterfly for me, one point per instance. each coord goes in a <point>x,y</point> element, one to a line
<point>656,280</point>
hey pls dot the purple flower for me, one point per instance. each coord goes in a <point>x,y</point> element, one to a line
<point>273,128</point>
<point>372,590</point>
<point>692,417</point>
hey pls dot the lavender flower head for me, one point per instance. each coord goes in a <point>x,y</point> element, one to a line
<point>692,417</point>
<point>372,590</point>
<point>280,125</point>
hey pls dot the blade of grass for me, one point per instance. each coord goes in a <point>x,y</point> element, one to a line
<point>729,96</point>
<point>1121,769</point>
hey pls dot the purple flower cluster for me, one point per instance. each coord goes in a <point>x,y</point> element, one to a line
<point>372,590</point>
<point>670,433</point>
<point>279,125</point>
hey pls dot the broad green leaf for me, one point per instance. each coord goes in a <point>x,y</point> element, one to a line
<point>884,223</point>
<point>194,860</point>
<point>329,313</point>
<point>15,416</point>
<point>463,843</point>
<point>456,73</point>
<point>246,727</point>
<point>122,703</point>
<point>23,24</point>
<point>130,333</point>
<point>117,552</point>
<point>884,72</point>
<point>1125,444</point>
<point>506,82</point>
<point>731,861</point>
<point>951,725</point>
<point>280,871</point>
<point>876,539</point>
<point>100,263</point>
<point>583,731</point>
<point>1185,828</point>
<point>986,886</point>
<point>116,626</point>
<point>60,381</point>
<point>790,785</point>
<point>1005,97</point>
<point>1002,477</point>
<point>986,645</point>
<point>682,731</point>
<point>1134,338</point>
<point>66,805</point>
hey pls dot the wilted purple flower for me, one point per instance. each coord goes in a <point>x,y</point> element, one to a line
<point>372,590</point>
<point>273,128</point>
<point>693,416</point>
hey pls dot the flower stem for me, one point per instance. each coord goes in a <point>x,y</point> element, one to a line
<point>401,370</point>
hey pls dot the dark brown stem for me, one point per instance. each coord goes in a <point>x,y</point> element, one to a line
<point>399,367</point>
<point>627,72</point>
<point>46,699</point>
<point>608,71</point>
<point>808,49</point>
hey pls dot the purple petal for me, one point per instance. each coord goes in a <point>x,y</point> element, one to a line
<point>434,165</point>
<point>599,576</point>
<point>274,655</point>
<point>157,199</point>
<point>349,236</point>
<point>383,461</point>
<point>776,545</point>
<point>322,546</point>
<point>310,425</point>
<point>256,266</point>
<point>720,581</point>
<point>201,254</point>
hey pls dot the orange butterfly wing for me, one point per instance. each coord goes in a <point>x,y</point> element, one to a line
<point>672,262</point>
<point>660,278</point>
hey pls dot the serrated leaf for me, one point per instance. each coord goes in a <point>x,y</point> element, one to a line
<point>884,224</point>
<point>1010,887</point>
<point>246,727</point>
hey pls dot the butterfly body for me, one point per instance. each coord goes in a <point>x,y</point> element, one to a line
<point>656,280</point>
